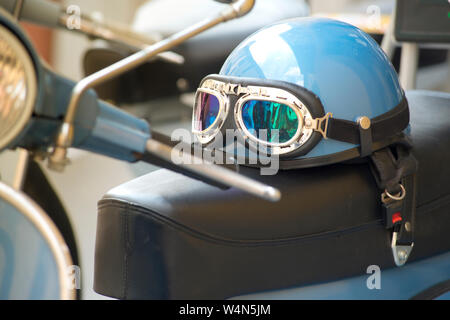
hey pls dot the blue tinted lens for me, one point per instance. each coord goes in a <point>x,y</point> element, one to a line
<point>206,111</point>
<point>269,121</point>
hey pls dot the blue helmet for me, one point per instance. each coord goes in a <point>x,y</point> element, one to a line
<point>337,62</point>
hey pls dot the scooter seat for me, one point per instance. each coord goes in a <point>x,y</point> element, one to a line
<point>165,236</point>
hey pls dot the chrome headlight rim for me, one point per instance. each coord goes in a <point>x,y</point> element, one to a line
<point>23,55</point>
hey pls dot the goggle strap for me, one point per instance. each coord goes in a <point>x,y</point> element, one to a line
<point>320,124</point>
<point>385,126</point>
<point>365,133</point>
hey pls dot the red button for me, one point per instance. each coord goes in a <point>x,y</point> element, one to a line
<point>396,217</point>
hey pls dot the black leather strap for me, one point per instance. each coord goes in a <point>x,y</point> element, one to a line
<point>407,227</point>
<point>389,168</point>
<point>384,126</point>
<point>366,141</point>
<point>434,292</point>
<point>394,169</point>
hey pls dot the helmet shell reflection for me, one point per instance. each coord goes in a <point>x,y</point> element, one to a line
<point>339,63</point>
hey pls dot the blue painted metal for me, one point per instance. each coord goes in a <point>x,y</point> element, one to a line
<point>396,284</point>
<point>341,64</point>
<point>28,269</point>
<point>99,127</point>
<point>445,296</point>
<point>117,134</point>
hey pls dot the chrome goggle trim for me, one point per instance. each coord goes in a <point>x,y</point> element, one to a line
<point>209,133</point>
<point>222,91</point>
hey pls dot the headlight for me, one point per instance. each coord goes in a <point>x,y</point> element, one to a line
<point>17,87</point>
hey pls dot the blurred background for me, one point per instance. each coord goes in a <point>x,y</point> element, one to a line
<point>164,89</point>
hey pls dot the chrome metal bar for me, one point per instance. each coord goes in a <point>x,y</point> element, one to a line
<point>217,173</point>
<point>408,65</point>
<point>21,170</point>
<point>409,57</point>
<point>130,63</point>
<point>65,136</point>
<point>125,38</point>
<point>389,43</point>
<point>18,8</point>
<point>50,233</point>
<point>95,30</point>
<point>142,56</point>
<point>123,32</point>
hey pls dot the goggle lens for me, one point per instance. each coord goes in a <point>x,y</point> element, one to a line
<point>207,109</point>
<point>270,121</point>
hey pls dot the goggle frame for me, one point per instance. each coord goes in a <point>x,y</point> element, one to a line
<point>223,90</point>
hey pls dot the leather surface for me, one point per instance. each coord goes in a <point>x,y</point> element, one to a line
<point>167,236</point>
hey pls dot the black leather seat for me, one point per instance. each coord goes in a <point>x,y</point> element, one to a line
<point>164,236</point>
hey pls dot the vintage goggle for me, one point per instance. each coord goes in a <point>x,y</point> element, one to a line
<point>283,118</point>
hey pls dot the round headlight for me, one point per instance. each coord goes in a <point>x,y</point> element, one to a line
<point>18,84</point>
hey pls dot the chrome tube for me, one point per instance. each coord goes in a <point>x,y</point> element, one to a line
<point>52,15</point>
<point>21,170</point>
<point>409,62</point>
<point>50,233</point>
<point>217,173</point>
<point>118,35</point>
<point>18,9</point>
<point>64,139</point>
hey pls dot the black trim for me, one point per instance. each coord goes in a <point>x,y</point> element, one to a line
<point>386,125</point>
<point>434,292</point>
<point>344,156</point>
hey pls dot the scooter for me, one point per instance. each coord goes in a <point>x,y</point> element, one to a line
<point>44,114</point>
<point>325,240</point>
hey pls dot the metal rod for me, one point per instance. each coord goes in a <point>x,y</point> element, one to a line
<point>21,170</point>
<point>65,136</point>
<point>408,65</point>
<point>18,9</point>
<point>50,234</point>
<point>118,30</point>
<point>126,38</point>
<point>217,173</point>
<point>389,43</point>
<point>130,63</point>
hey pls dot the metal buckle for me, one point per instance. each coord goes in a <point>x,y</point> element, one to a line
<point>320,124</point>
<point>386,197</point>
<point>234,89</point>
<point>230,88</point>
<point>400,253</point>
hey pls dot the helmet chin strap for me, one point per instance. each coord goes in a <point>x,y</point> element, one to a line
<point>394,169</point>
<point>366,131</point>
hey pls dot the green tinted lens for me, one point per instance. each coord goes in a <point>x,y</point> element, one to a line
<point>270,121</point>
